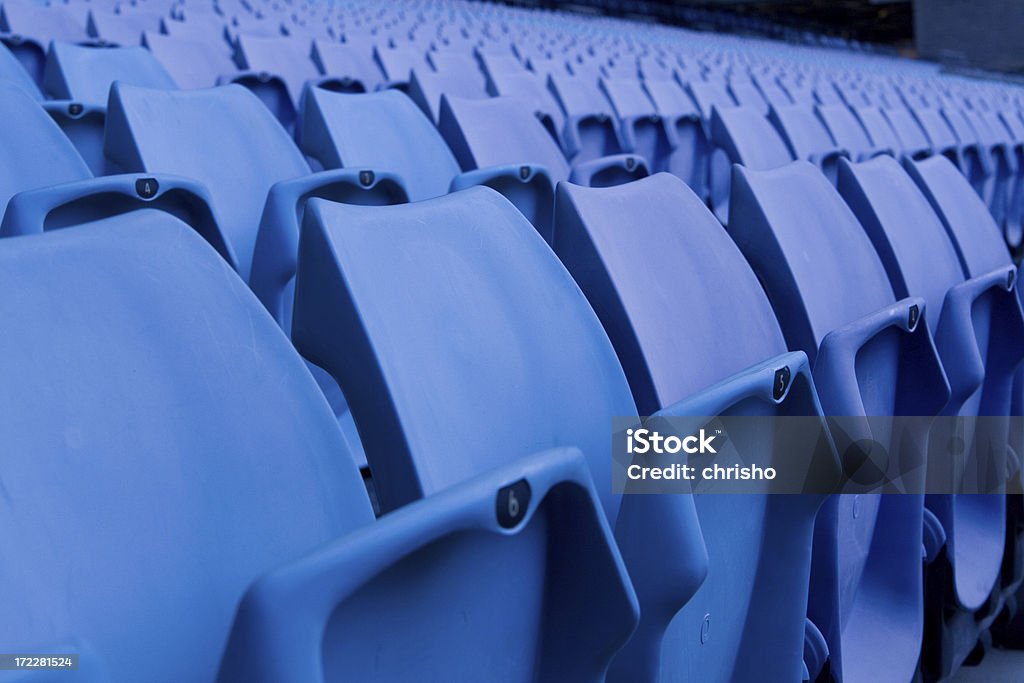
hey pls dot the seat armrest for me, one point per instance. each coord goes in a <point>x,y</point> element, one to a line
<point>955,336</point>
<point>58,206</point>
<point>279,627</point>
<point>275,255</point>
<point>620,167</point>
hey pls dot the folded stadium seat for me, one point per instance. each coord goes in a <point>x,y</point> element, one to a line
<point>207,28</point>
<point>799,93</point>
<point>13,73</point>
<point>464,65</point>
<point>740,135</point>
<point>427,88</point>
<point>349,65</point>
<point>807,138</point>
<point>123,27</point>
<point>173,132</point>
<point>277,69</point>
<point>498,62</point>
<point>994,135</point>
<point>653,68</point>
<point>529,85</point>
<point>397,64</point>
<point>641,128</point>
<point>245,24</point>
<point>871,357</point>
<point>825,93</point>
<point>518,349</point>
<point>772,93</point>
<point>240,568</point>
<point>979,334</point>
<point>497,142</point>
<point>647,242</point>
<point>191,63</point>
<point>847,131</point>
<point>746,94</point>
<point>685,129</point>
<point>79,78</point>
<point>589,131</point>
<point>708,96</point>
<point>853,95</point>
<point>30,27</point>
<point>45,184</point>
<point>940,135</point>
<point>975,161</point>
<point>878,129</point>
<point>1014,228</point>
<point>971,228</point>
<point>912,139</point>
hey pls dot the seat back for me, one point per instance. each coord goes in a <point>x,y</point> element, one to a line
<point>748,139</point>
<point>85,74</point>
<point>460,341</point>
<point>135,355</point>
<point>12,72</point>
<point>383,131</point>
<point>807,247</point>
<point>968,223</point>
<point>36,153</point>
<point>913,140</point>
<point>165,131</point>
<point>499,131</point>
<point>908,236</point>
<point>845,129</point>
<point>665,318</point>
<point>684,313</point>
<point>288,58</point>
<point>191,62</point>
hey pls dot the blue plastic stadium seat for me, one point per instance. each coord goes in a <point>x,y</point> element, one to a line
<point>397,64</point>
<point>686,133</point>
<point>871,356</point>
<point>382,131</point>
<point>84,74</point>
<point>30,27</point>
<point>847,131</point>
<point>589,131</point>
<point>124,27</point>
<point>708,97</point>
<point>996,138</point>
<point>258,180</point>
<point>276,69</point>
<point>192,63</point>
<point>979,335</point>
<point>912,139</point>
<point>878,129</point>
<point>532,87</point>
<point>697,336</point>
<point>276,572</point>
<point>461,305</point>
<point>80,78</point>
<point>36,153</point>
<point>746,94</point>
<point>500,143</point>
<point>427,87</point>
<point>641,128</point>
<point>807,138</point>
<point>739,135</point>
<point>12,72</point>
<point>973,159</point>
<point>45,184</point>
<point>347,64</point>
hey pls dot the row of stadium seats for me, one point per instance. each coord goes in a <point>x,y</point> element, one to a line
<point>311,375</point>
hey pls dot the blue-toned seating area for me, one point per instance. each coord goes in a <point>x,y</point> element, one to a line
<point>317,318</point>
